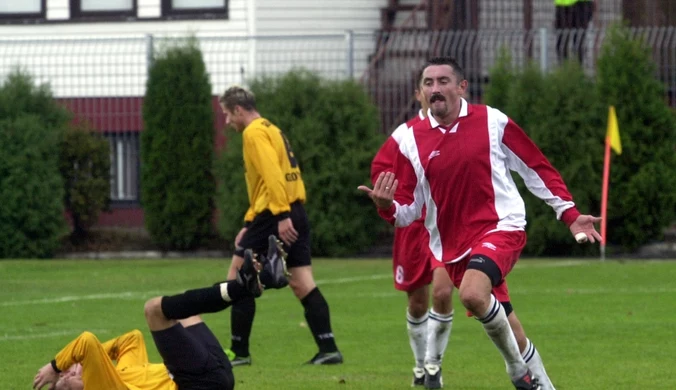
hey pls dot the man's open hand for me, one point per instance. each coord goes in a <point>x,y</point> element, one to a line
<point>382,193</point>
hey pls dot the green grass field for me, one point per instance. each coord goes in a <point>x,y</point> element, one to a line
<point>597,326</point>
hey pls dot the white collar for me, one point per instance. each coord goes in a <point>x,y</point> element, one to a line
<point>463,113</point>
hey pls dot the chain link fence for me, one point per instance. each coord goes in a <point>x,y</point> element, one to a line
<point>383,62</point>
<point>102,80</point>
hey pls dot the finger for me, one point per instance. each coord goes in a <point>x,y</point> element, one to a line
<point>379,182</point>
<point>365,189</point>
<point>394,187</point>
<point>285,237</point>
<point>384,182</point>
<point>596,219</point>
<point>389,181</point>
<point>596,235</point>
<point>291,237</point>
<point>384,185</point>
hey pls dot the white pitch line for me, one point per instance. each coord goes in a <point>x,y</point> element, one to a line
<point>148,294</point>
<point>7,337</point>
<point>75,298</point>
<point>354,279</point>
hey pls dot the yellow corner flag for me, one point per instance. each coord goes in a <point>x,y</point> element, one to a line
<point>613,134</point>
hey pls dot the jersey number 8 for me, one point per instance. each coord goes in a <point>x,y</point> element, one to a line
<point>289,152</point>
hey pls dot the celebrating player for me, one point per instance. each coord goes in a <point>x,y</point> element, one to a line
<point>456,163</point>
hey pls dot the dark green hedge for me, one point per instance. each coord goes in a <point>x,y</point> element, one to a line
<point>333,128</point>
<point>642,199</point>
<point>85,167</point>
<point>565,112</point>
<point>32,219</point>
<point>177,186</point>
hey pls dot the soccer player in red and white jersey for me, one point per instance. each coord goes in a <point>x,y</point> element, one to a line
<point>456,163</point>
<point>428,333</point>
<point>412,271</point>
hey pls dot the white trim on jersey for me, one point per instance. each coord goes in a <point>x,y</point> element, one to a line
<point>533,181</point>
<point>406,214</point>
<point>509,206</point>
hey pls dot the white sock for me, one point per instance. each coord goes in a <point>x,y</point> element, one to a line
<point>438,331</point>
<point>417,336</point>
<point>534,362</point>
<point>224,292</point>
<point>497,328</point>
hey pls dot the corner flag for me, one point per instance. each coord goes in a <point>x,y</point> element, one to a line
<point>613,134</point>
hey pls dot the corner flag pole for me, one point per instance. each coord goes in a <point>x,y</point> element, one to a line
<point>604,199</point>
<point>612,142</point>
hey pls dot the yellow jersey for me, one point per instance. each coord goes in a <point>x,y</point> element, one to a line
<point>132,371</point>
<point>273,178</point>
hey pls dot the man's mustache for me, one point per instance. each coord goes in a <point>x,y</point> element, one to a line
<point>437,97</point>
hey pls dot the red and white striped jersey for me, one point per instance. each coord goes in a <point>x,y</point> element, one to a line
<point>461,175</point>
<point>385,159</point>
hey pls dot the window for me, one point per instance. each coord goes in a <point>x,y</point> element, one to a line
<point>124,167</point>
<point>103,8</point>
<point>24,9</point>
<point>195,8</point>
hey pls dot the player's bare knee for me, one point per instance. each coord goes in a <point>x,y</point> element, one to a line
<point>153,308</point>
<point>417,308</point>
<point>473,299</point>
<point>301,289</point>
<point>442,293</point>
<point>418,301</point>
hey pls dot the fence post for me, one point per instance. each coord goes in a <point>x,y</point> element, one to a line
<point>349,47</point>
<point>544,49</point>
<point>150,51</point>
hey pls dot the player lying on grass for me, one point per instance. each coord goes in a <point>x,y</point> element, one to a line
<point>193,357</point>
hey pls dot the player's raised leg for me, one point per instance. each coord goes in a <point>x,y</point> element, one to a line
<point>530,353</point>
<point>490,262</point>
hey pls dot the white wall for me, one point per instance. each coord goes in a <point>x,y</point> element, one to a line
<point>317,16</point>
<point>246,17</point>
<point>58,14</point>
<point>110,58</point>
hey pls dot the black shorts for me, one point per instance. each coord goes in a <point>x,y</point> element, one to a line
<point>265,224</point>
<point>194,357</point>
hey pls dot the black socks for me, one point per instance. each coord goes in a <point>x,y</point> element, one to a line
<point>193,302</point>
<point>319,320</point>
<point>241,321</point>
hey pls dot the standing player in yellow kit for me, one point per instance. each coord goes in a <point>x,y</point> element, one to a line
<point>276,196</point>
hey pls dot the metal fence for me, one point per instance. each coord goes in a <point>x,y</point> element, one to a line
<point>390,75</point>
<point>102,80</point>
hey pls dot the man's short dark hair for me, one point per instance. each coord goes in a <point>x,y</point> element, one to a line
<point>457,69</point>
<point>238,96</point>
